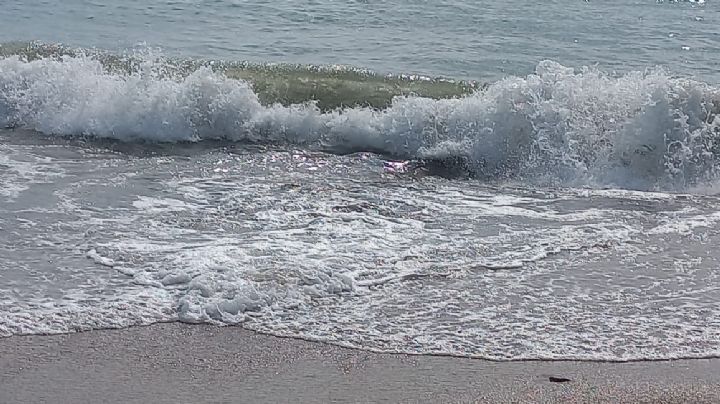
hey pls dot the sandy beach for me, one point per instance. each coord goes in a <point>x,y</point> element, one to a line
<point>180,363</point>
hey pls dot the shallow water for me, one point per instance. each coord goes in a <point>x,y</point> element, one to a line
<point>557,212</point>
<point>333,248</point>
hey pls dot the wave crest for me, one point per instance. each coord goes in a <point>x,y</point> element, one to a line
<point>557,125</point>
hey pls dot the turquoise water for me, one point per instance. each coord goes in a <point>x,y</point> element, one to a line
<point>463,39</point>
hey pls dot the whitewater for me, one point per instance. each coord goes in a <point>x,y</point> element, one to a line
<point>558,209</point>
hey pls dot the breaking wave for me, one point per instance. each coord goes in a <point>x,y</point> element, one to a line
<point>559,125</point>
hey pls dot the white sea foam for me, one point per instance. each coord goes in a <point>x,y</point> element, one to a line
<point>447,267</point>
<point>558,125</point>
<point>18,171</point>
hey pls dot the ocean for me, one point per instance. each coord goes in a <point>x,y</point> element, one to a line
<point>500,180</point>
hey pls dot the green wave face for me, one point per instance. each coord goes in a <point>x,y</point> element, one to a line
<point>329,86</point>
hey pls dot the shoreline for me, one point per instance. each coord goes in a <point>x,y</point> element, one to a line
<point>184,363</point>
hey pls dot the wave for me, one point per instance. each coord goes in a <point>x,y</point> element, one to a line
<point>557,125</point>
<point>329,86</point>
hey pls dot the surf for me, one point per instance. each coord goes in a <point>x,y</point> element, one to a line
<point>557,125</point>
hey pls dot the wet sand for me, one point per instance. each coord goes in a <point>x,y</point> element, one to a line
<point>180,363</point>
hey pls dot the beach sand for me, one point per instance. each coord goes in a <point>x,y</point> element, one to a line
<point>180,363</point>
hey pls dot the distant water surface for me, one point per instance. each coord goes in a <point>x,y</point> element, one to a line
<point>482,40</point>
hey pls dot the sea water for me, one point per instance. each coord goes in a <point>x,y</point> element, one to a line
<point>504,180</point>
